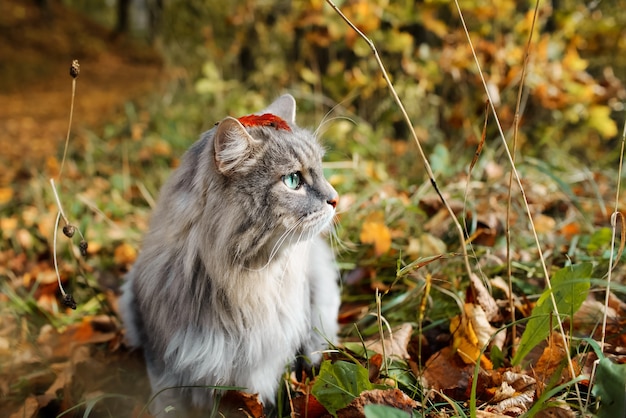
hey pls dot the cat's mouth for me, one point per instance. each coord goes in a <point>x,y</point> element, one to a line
<point>316,222</point>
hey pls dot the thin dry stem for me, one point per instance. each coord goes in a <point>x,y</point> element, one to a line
<point>54,253</point>
<point>509,267</point>
<point>69,128</point>
<point>58,200</point>
<point>523,195</point>
<point>407,119</point>
<point>614,232</point>
<point>292,413</point>
<point>381,331</point>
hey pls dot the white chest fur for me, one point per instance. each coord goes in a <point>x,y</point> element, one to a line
<point>264,317</point>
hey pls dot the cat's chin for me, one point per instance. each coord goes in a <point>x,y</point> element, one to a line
<point>317,223</point>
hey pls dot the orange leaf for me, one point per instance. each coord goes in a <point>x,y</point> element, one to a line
<point>378,234</point>
<point>124,254</point>
<point>6,194</point>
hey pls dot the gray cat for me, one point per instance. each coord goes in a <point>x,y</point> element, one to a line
<point>233,280</point>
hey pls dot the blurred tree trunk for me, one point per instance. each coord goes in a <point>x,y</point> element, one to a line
<point>123,8</point>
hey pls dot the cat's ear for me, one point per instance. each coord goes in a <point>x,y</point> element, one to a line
<point>283,107</point>
<point>233,145</point>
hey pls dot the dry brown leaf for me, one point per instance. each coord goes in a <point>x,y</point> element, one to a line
<point>590,315</point>
<point>396,346</point>
<point>516,405</point>
<point>552,360</point>
<point>484,298</point>
<point>241,404</point>
<point>485,414</point>
<point>514,396</point>
<point>308,406</point>
<point>561,411</point>
<point>391,397</point>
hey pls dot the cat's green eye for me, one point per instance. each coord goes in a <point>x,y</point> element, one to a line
<point>293,181</point>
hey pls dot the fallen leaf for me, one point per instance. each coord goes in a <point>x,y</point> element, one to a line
<point>125,254</point>
<point>396,345</point>
<point>391,397</point>
<point>552,362</point>
<point>484,298</point>
<point>511,393</point>
<point>378,234</point>
<point>471,332</point>
<point>308,406</point>
<point>562,410</point>
<point>6,194</point>
<point>446,372</point>
<point>241,404</point>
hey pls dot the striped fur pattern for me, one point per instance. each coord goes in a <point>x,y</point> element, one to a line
<point>233,279</point>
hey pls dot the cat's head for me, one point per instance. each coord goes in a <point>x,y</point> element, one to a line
<point>275,168</point>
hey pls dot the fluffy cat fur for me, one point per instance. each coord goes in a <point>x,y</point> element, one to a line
<point>233,280</point>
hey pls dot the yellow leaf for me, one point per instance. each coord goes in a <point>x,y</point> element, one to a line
<point>544,224</point>
<point>8,225</point>
<point>600,120</point>
<point>471,332</point>
<point>376,233</point>
<point>433,24</point>
<point>572,60</point>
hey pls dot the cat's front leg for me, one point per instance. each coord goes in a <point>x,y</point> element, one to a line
<point>325,298</point>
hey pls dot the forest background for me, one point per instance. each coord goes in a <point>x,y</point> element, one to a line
<point>151,82</point>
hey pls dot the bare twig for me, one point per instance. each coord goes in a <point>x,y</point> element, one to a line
<point>74,72</point>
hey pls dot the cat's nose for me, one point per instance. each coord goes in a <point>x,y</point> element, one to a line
<point>333,200</point>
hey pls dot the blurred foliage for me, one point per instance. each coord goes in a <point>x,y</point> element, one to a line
<point>260,48</point>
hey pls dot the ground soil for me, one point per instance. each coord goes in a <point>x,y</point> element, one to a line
<point>37,46</point>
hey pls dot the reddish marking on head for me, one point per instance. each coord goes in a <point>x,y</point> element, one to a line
<point>266,119</point>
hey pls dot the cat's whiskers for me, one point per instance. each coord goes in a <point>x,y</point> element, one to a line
<point>322,127</point>
<point>327,119</point>
<point>340,243</point>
